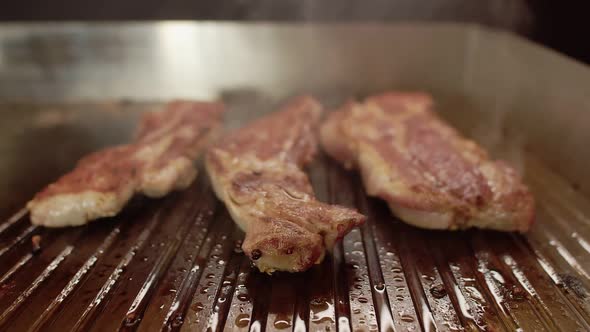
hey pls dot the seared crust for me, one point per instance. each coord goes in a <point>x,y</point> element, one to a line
<point>161,159</point>
<point>429,174</point>
<point>256,171</point>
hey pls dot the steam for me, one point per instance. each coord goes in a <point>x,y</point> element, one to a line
<point>515,15</point>
<point>495,132</point>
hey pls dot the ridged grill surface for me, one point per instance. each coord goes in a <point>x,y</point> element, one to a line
<point>176,264</point>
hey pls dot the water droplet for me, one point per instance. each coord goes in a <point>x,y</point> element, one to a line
<point>221,262</point>
<point>396,270</point>
<point>242,320</point>
<point>389,253</point>
<point>356,311</point>
<point>398,278</point>
<point>380,287</point>
<point>399,297</point>
<point>221,300</point>
<point>358,286</point>
<point>363,300</point>
<point>243,297</point>
<point>319,304</point>
<point>322,310</point>
<point>210,276</point>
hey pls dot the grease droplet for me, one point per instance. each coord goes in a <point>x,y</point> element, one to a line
<point>407,318</point>
<point>198,306</point>
<point>438,291</point>
<point>517,294</point>
<point>177,321</point>
<point>282,324</point>
<point>242,320</point>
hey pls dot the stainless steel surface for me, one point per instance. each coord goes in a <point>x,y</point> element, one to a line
<point>58,62</point>
<point>65,90</point>
<point>506,80</point>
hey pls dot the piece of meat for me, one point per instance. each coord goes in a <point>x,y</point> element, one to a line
<point>159,160</point>
<point>257,172</point>
<point>169,142</point>
<point>429,174</point>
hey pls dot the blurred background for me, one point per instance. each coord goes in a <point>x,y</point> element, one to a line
<point>561,25</point>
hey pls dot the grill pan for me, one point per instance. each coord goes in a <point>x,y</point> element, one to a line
<point>176,264</point>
